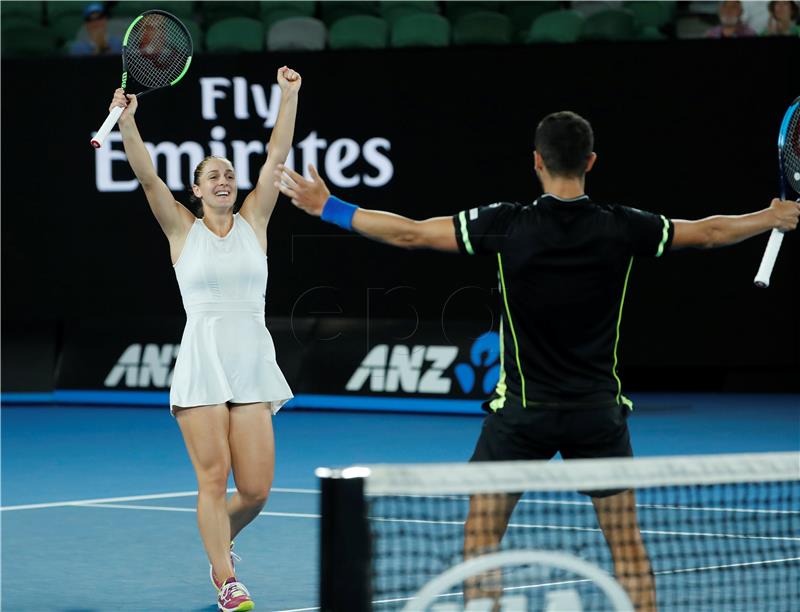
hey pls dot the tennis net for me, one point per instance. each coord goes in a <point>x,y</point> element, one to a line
<point>715,532</point>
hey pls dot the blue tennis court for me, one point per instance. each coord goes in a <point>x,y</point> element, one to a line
<point>98,503</point>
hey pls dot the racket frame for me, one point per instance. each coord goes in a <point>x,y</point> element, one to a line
<point>114,114</point>
<point>776,236</point>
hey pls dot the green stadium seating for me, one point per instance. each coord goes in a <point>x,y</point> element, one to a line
<point>67,28</point>
<point>297,34</point>
<point>31,12</point>
<point>216,11</point>
<point>558,27</point>
<point>27,41</point>
<point>653,14</point>
<point>482,28</point>
<point>56,10</point>
<point>523,14</point>
<point>420,30</point>
<point>609,25</point>
<point>198,39</point>
<point>334,10</point>
<point>235,34</point>
<point>455,10</point>
<point>131,8</point>
<point>650,33</point>
<point>279,14</point>
<point>359,32</point>
<point>391,11</point>
<point>299,7</point>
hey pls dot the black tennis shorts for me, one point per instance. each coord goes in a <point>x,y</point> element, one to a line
<point>514,433</point>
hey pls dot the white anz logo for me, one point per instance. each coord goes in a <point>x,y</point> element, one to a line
<point>148,367</point>
<point>402,370</point>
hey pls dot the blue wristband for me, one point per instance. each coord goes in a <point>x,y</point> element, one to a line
<point>339,213</point>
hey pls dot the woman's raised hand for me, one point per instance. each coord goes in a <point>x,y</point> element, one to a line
<point>289,80</point>
<point>126,101</point>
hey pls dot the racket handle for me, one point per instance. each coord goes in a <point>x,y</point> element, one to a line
<point>768,260</point>
<point>107,126</point>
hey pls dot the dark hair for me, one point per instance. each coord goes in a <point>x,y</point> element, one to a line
<point>565,141</point>
<point>795,9</point>
<point>194,202</point>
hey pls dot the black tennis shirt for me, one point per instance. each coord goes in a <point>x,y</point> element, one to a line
<point>563,269</point>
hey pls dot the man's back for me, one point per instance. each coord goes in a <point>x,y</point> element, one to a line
<point>563,268</point>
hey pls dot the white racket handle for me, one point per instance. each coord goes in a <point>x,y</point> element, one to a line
<point>107,126</point>
<point>768,260</point>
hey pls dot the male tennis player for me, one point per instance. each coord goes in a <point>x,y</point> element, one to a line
<point>563,265</point>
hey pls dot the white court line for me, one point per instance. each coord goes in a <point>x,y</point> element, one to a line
<point>563,582</point>
<point>733,536</point>
<point>106,500</point>
<point>173,509</point>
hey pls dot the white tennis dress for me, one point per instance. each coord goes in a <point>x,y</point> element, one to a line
<point>226,353</point>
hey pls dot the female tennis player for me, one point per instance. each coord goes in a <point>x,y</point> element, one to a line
<point>227,384</point>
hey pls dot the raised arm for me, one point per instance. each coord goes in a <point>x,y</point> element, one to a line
<point>314,198</point>
<point>724,230</point>
<point>259,203</point>
<point>174,219</point>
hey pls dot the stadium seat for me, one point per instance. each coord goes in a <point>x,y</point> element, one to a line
<point>590,7</point>
<point>650,33</point>
<point>217,11</point>
<point>609,25</point>
<point>297,34</point>
<point>523,14</point>
<point>28,40</point>
<point>455,10</point>
<point>334,10</point>
<point>235,34</point>
<point>359,32</point>
<point>301,7</point>
<point>391,10</point>
<point>558,26</point>
<point>56,10</point>
<point>198,39</point>
<point>130,8</point>
<point>651,14</point>
<point>420,30</point>
<point>482,28</point>
<point>67,28</point>
<point>279,14</point>
<point>31,12</point>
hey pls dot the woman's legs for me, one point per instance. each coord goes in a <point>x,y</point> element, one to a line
<point>252,445</point>
<point>205,432</point>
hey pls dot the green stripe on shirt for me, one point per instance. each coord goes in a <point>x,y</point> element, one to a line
<point>664,237</point>
<point>462,217</point>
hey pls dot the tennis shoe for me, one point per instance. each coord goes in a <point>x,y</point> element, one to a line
<point>234,597</point>
<point>218,583</point>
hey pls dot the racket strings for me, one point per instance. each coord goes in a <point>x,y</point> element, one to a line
<point>157,50</point>
<point>791,151</point>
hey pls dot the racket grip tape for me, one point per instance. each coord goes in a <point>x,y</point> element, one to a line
<point>108,125</point>
<point>768,260</point>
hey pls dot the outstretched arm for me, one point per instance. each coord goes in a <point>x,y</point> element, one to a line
<point>174,219</point>
<point>314,198</point>
<point>724,230</point>
<point>259,204</point>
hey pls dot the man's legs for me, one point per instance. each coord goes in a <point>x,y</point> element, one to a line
<point>485,526</point>
<point>617,517</point>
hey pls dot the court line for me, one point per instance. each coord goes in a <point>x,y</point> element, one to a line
<point>106,500</point>
<point>173,509</point>
<point>732,536</point>
<point>580,580</point>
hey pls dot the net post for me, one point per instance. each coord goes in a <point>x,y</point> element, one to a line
<point>345,569</point>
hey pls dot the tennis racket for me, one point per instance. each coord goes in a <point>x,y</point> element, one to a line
<point>156,53</point>
<point>789,169</point>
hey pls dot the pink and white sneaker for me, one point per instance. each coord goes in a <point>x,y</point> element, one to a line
<point>218,583</point>
<point>234,597</point>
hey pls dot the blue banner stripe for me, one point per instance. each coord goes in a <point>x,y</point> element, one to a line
<point>329,402</point>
